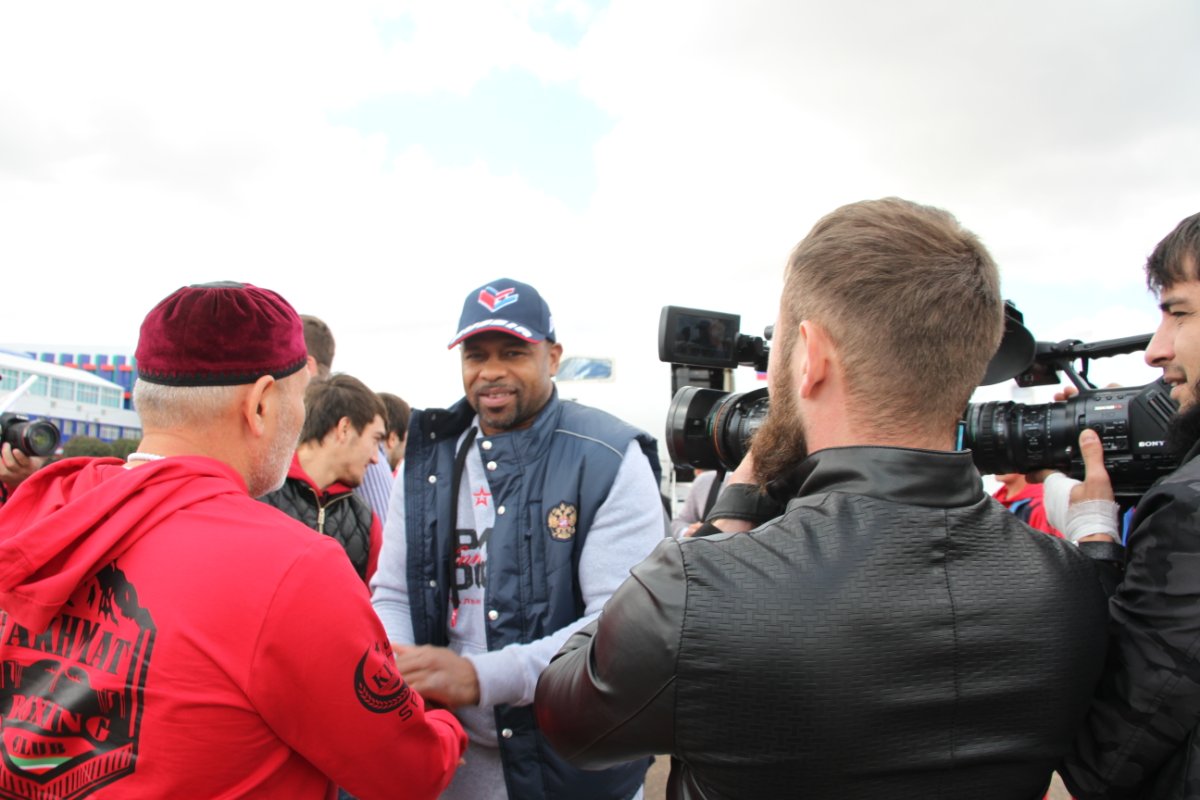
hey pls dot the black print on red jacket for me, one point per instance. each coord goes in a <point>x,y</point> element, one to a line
<point>71,697</point>
<point>378,684</point>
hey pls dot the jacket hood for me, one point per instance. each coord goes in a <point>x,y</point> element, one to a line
<point>71,518</point>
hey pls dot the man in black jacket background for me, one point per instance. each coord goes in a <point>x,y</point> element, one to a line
<point>893,632</point>
<point>1140,738</point>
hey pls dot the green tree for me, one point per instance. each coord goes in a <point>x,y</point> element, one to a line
<point>86,446</point>
<point>123,447</point>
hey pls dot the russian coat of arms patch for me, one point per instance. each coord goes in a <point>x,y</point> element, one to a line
<point>562,521</point>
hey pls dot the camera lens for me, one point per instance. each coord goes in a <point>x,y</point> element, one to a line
<point>41,438</point>
<point>708,428</point>
<point>734,422</point>
<point>1010,437</point>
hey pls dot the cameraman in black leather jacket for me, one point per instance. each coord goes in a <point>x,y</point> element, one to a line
<point>893,631</point>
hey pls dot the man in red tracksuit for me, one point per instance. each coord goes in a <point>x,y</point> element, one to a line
<point>163,634</point>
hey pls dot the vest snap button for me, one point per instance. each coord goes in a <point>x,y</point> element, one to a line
<point>487,445</point>
<point>493,615</point>
<point>506,733</point>
<point>491,465</point>
<point>500,510</point>
<point>433,478</point>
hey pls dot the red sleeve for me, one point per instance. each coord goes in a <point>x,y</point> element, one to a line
<point>376,545</point>
<point>325,679</point>
<point>1037,519</point>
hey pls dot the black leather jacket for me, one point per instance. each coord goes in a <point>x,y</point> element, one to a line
<point>896,633</point>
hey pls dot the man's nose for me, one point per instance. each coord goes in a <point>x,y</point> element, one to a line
<point>493,369</point>
<point>1161,351</point>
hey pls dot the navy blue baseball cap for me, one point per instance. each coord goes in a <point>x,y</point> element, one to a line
<point>507,306</point>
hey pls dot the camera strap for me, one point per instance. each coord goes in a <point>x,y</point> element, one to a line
<point>713,492</point>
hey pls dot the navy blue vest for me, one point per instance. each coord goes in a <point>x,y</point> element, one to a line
<point>565,461</point>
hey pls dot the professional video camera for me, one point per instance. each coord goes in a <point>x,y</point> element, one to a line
<point>31,437</point>
<point>710,428</point>
<point>1132,421</point>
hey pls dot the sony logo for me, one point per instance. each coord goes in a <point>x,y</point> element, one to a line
<point>1152,443</point>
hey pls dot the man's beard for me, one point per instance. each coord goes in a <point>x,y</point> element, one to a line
<point>519,415</point>
<point>780,444</point>
<point>1184,430</point>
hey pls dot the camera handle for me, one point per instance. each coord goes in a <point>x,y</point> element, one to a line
<point>1051,358</point>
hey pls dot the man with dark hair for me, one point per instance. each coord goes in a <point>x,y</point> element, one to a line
<point>398,413</point>
<point>1142,734</point>
<point>343,429</point>
<point>515,517</point>
<point>162,634</point>
<point>376,487</point>
<point>891,632</point>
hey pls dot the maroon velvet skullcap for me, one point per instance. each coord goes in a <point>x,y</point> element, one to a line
<point>220,334</point>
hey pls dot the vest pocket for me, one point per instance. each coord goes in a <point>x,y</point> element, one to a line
<point>533,558</point>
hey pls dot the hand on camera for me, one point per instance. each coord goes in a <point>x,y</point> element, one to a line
<point>1083,510</point>
<point>15,466</point>
<point>743,474</point>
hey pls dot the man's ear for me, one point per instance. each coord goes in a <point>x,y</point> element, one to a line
<point>259,402</point>
<point>555,353</point>
<point>818,353</point>
<point>342,429</point>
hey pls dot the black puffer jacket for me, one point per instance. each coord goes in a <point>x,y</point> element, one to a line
<point>896,633</point>
<point>336,512</point>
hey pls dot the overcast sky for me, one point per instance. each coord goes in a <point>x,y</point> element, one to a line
<point>373,161</point>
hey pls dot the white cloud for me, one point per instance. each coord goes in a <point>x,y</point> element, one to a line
<point>147,145</point>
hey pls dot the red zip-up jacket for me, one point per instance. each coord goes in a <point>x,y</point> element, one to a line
<point>162,634</point>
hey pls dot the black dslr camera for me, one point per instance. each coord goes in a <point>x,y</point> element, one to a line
<point>32,437</point>
<point>710,428</point>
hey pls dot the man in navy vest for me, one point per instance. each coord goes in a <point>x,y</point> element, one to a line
<point>515,518</point>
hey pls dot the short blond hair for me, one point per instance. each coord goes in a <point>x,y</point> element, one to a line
<point>911,301</point>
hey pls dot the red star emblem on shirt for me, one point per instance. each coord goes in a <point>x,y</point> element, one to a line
<point>481,497</point>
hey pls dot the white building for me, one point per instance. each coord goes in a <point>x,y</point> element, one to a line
<point>78,402</point>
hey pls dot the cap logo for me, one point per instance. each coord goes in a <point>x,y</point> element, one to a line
<point>494,300</point>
